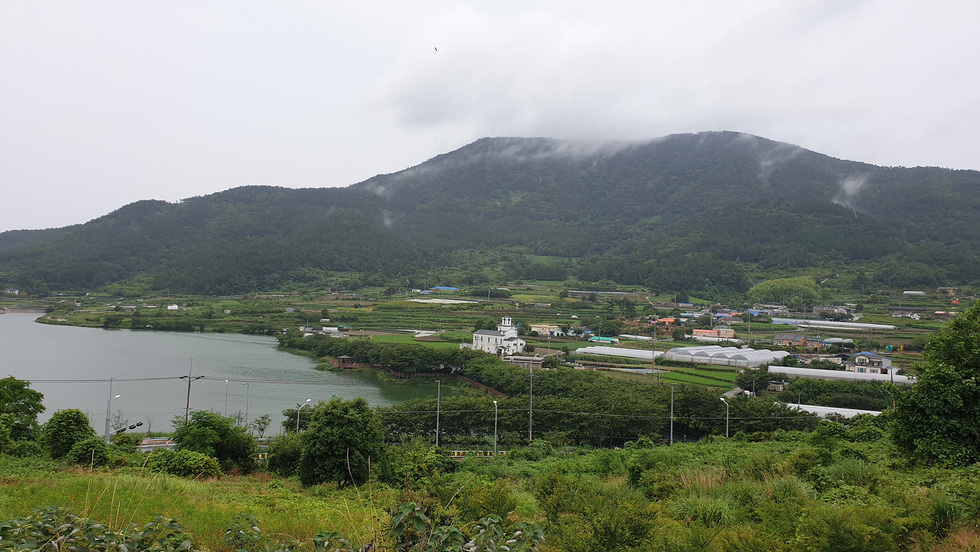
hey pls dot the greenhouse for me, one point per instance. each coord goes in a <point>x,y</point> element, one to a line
<point>724,356</point>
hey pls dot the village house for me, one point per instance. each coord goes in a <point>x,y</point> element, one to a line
<point>789,340</point>
<point>535,362</point>
<point>867,362</point>
<point>832,311</point>
<point>547,329</point>
<point>502,341</point>
<point>719,332</point>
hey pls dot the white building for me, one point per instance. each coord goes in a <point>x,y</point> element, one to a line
<point>502,341</point>
<point>867,362</point>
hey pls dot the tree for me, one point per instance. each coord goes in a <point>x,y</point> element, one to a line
<point>344,439</point>
<point>23,404</point>
<point>118,421</point>
<point>261,424</point>
<point>938,420</point>
<point>218,436</point>
<point>64,429</point>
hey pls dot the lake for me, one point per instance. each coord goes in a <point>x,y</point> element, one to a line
<point>72,367</point>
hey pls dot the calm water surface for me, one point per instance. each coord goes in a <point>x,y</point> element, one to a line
<point>72,368</point>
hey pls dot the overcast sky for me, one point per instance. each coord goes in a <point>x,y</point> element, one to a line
<point>103,103</point>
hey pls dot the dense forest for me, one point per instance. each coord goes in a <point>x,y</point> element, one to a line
<point>699,213</point>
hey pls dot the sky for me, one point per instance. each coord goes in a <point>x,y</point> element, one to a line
<point>107,102</point>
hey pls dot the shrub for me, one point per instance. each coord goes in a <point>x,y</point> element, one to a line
<point>284,454</point>
<point>412,464</point>
<point>495,499</point>
<point>64,429</point>
<point>218,436</point>
<point>92,451</point>
<point>184,463</point>
<point>127,442</point>
<point>24,449</point>
<point>55,528</point>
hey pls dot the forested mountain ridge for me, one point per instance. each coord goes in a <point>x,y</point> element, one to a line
<point>688,212</point>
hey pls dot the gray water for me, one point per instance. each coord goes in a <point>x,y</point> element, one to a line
<point>72,367</point>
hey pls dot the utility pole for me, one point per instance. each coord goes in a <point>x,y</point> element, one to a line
<point>108,409</point>
<point>438,400</point>
<point>187,409</point>
<point>530,405</point>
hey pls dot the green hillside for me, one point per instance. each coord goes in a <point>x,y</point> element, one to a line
<point>705,214</point>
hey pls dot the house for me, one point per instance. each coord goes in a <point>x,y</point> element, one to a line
<point>11,291</point>
<point>832,311</point>
<point>720,332</point>
<point>789,340</point>
<point>535,362</point>
<point>502,341</point>
<point>547,330</point>
<point>778,386</point>
<point>867,362</point>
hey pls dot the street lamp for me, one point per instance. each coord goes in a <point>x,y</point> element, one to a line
<point>245,383</point>
<point>226,398</point>
<point>671,413</point>
<point>726,415</point>
<point>297,413</point>
<point>438,401</point>
<point>495,428</point>
<point>108,410</point>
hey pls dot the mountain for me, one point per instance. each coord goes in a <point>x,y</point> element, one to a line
<point>697,212</point>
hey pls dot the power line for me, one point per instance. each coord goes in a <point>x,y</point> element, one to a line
<point>209,378</point>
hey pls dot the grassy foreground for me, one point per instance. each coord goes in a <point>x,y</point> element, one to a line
<point>839,488</point>
<point>205,508</point>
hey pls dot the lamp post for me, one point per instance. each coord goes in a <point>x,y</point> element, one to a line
<point>108,410</point>
<point>672,413</point>
<point>245,383</point>
<point>226,398</point>
<point>297,413</point>
<point>726,415</point>
<point>495,428</point>
<point>438,401</point>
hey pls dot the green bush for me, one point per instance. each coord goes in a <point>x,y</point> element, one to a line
<point>55,528</point>
<point>496,498</point>
<point>220,437</point>
<point>64,429</point>
<point>24,449</point>
<point>126,442</point>
<point>184,463</point>
<point>284,454</point>
<point>92,451</point>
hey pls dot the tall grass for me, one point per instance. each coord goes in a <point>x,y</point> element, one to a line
<point>204,508</point>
